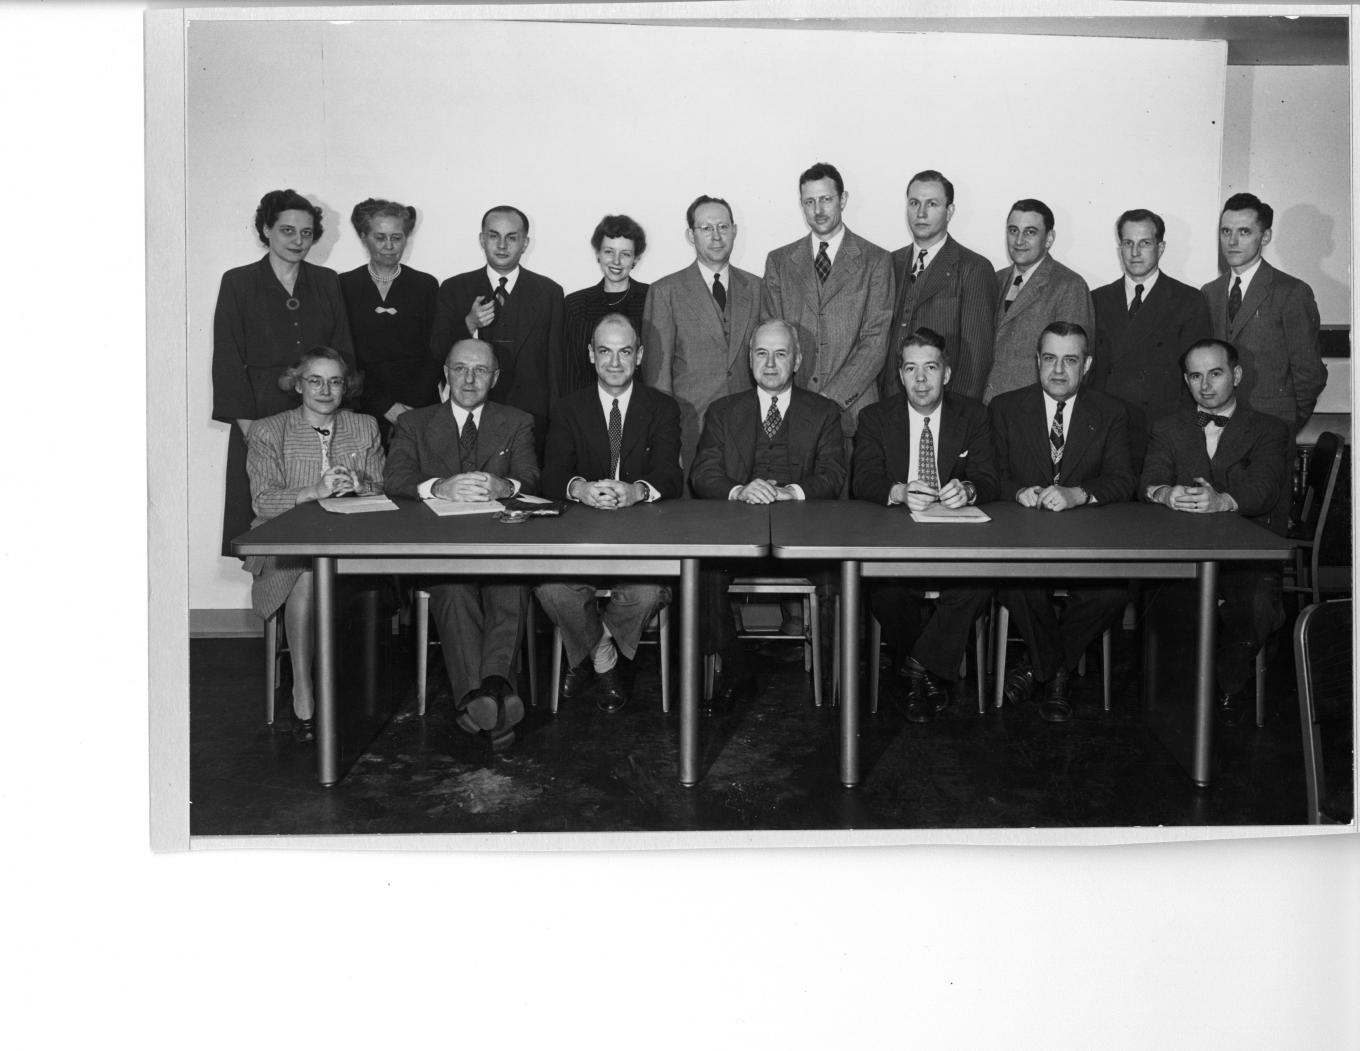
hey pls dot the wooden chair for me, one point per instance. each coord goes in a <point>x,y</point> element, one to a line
<point>812,624</point>
<point>273,657</point>
<point>1323,663</point>
<point>1306,575</point>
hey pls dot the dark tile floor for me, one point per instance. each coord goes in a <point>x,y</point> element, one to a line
<point>770,764</point>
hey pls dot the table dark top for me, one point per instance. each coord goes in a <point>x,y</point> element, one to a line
<point>856,530</point>
<point>665,529</point>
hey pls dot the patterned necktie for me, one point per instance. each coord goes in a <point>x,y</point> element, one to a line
<point>823,263</point>
<point>920,265</point>
<point>1055,442</point>
<point>1015,291</point>
<point>467,440</point>
<point>1234,300</point>
<point>1137,300</point>
<point>773,419</point>
<point>502,294</point>
<point>719,293</point>
<point>1206,418</point>
<point>926,470</point>
<point>615,439</point>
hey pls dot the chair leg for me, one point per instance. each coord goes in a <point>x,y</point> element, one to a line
<point>809,615</point>
<point>530,645</point>
<point>271,664</point>
<point>981,639</point>
<point>556,666</point>
<point>1261,687</point>
<point>875,641</point>
<point>422,618</point>
<point>813,634</point>
<point>1003,627</point>
<point>664,626</point>
<point>1106,671</point>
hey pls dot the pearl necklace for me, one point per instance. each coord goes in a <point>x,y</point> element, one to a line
<point>383,280</point>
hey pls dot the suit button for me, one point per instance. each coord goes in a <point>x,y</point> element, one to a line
<point>814,379</point>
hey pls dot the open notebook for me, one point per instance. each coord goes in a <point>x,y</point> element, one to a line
<point>940,513</point>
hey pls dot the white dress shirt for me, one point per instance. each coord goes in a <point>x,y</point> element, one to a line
<point>1013,290</point>
<point>1130,286</point>
<point>765,398</point>
<point>916,422</point>
<point>607,406</point>
<point>460,415</point>
<point>833,244</point>
<point>1246,276</point>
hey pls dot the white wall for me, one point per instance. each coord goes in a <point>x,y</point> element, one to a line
<point>571,121</point>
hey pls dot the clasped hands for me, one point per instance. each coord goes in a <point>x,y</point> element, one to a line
<point>609,494</point>
<point>1052,497</point>
<point>472,487</point>
<point>1201,498</point>
<point>336,481</point>
<point>918,496</point>
<point>763,491</point>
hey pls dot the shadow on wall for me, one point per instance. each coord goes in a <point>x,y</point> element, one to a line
<point>1304,240</point>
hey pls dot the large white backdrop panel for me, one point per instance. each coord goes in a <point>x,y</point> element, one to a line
<point>571,121</point>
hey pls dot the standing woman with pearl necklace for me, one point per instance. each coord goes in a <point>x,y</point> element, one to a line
<point>391,311</point>
<point>618,242</point>
<point>268,313</point>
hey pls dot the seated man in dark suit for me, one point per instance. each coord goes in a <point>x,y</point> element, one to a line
<point>1061,447</point>
<point>777,442</point>
<point>1224,456</point>
<point>916,449</point>
<point>471,450</point>
<point>610,446</point>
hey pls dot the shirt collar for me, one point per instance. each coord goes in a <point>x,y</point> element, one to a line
<point>1051,405</point>
<point>460,415</point>
<point>833,243</point>
<point>1146,282</point>
<point>707,273</point>
<point>1026,274</point>
<point>495,279</point>
<point>1246,275</point>
<point>785,397</point>
<point>931,250</point>
<point>607,399</point>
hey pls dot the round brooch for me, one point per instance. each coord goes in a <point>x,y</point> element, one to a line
<point>292,303</point>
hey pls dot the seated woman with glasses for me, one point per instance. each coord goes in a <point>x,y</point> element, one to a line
<point>316,450</point>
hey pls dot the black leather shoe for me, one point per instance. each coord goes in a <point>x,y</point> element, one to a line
<point>1056,707</point>
<point>1233,707</point>
<point>611,692</point>
<point>477,711</point>
<point>304,730</point>
<point>1019,684</point>
<point>578,680</point>
<point>511,708</point>
<point>932,687</point>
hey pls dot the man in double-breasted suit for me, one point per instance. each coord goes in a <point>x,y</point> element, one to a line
<point>471,450</point>
<point>1059,447</point>
<point>836,289</point>
<point>610,446</point>
<point>1222,456</point>
<point>697,322</point>
<point>924,447</point>
<point>1144,322</point>
<point>518,312</point>
<point>942,286</point>
<point>1031,293</point>
<point>777,442</point>
<point>1269,316</point>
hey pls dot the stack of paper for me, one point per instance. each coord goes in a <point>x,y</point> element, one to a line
<point>356,505</point>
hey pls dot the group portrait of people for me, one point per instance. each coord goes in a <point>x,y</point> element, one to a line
<point>916,378</point>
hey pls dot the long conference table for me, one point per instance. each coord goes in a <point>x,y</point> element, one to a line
<point>669,538</point>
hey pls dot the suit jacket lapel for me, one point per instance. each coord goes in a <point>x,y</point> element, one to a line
<point>937,273</point>
<point>1078,428</point>
<point>634,429</point>
<point>1231,443</point>
<point>741,309</point>
<point>949,442</point>
<point>702,294</point>
<point>1256,295</point>
<point>491,436</point>
<point>801,265</point>
<point>442,437</point>
<point>1030,291</point>
<point>745,421</point>
<point>845,269</point>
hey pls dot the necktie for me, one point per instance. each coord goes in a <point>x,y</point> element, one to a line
<point>615,439</point>
<point>823,263</point>
<point>1137,300</point>
<point>467,440</point>
<point>719,293</point>
<point>920,265</point>
<point>773,419</point>
<point>926,470</point>
<point>1014,291</point>
<point>502,294</point>
<point>1234,299</point>
<point>1206,418</point>
<point>1055,442</point>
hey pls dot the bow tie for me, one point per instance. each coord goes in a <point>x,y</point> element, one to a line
<point>1206,418</point>
<point>384,310</point>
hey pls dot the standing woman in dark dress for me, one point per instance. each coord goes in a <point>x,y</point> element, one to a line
<point>267,314</point>
<point>619,243</point>
<point>391,311</point>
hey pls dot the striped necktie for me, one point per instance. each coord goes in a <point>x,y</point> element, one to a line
<point>1055,442</point>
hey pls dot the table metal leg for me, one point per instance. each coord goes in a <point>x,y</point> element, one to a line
<point>689,671</point>
<point>849,614</point>
<point>1205,645</point>
<point>327,725</point>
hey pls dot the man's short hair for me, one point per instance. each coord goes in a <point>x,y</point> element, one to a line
<point>822,170</point>
<point>922,337</point>
<point>1064,328</point>
<point>613,319</point>
<point>790,329</point>
<point>931,175</point>
<point>1201,344</point>
<point>1242,202</point>
<point>699,202</point>
<point>1030,204</point>
<point>506,208</point>
<point>1140,215</point>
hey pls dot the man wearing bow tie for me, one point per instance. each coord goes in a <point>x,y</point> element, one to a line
<point>1224,457</point>
<point>471,450</point>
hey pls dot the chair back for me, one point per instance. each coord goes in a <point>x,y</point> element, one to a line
<point>1323,468</point>
<point>1323,638</point>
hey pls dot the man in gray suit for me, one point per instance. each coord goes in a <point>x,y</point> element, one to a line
<point>1269,316</point>
<point>1032,293</point>
<point>471,450</point>
<point>944,287</point>
<point>836,289</point>
<point>697,322</point>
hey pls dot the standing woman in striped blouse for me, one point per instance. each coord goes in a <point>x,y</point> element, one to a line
<point>618,242</point>
<point>316,450</point>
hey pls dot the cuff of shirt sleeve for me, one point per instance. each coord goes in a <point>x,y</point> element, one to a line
<point>571,482</point>
<point>425,490</point>
<point>732,493</point>
<point>652,495</point>
<point>797,491</point>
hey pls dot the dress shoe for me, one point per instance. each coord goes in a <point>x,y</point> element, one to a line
<point>511,708</point>
<point>304,730</point>
<point>1019,684</point>
<point>1233,707</point>
<point>577,680</point>
<point>477,711</point>
<point>926,694</point>
<point>612,690</point>
<point>1056,707</point>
